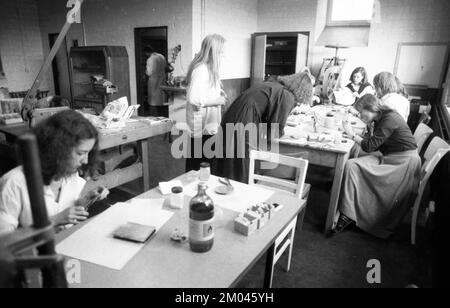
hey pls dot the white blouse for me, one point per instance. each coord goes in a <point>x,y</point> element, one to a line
<point>15,209</point>
<point>206,120</point>
<point>397,103</point>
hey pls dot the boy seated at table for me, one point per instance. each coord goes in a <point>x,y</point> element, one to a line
<point>67,146</point>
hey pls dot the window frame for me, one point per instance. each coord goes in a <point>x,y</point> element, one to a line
<point>332,23</point>
<point>2,71</point>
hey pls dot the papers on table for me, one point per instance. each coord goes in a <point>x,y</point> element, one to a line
<point>166,187</point>
<point>94,242</point>
<point>243,196</point>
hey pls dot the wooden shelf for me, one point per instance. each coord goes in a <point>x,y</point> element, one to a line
<point>111,62</point>
<point>280,64</point>
<point>281,49</point>
<point>88,100</point>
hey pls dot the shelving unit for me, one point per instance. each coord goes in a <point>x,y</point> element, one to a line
<point>278,54</point>
<point>111,62</point>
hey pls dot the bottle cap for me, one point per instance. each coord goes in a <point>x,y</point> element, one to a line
<point>177,190</point>
<point>202,186</point>
<point>205,165</point>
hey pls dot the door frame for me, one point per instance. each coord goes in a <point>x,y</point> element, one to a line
<point>137,47</point>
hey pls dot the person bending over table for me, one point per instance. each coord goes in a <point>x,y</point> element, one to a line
<point>67,146</point>
<point>267,103</point>
<point>377,191</point>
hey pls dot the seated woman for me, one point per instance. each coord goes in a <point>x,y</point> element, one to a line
<point>387,89</point>
<point>401,89</point>
<point>359,85</point>
<point>377,191</point>
<point>67,145</point>
<point>268,103</point>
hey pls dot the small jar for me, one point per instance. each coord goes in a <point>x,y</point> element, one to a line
<point>205,172</point>
<point>177,198</point>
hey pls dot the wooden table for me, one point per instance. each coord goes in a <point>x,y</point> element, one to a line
<point>333,154</point>
<point>135,131</point>
<point>166,264</point>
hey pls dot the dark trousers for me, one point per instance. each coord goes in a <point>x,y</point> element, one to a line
<point>193,163</point>
<point>159,111</point>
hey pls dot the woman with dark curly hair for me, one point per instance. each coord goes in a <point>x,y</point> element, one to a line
<point>67,146</point>
<point>269,103</point>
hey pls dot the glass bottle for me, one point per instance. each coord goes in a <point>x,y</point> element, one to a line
<point>201,221</point>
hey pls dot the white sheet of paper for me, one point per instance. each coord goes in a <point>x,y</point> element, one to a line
<point>243,196</point>
<point>166,187</point>
<point>95,243</point>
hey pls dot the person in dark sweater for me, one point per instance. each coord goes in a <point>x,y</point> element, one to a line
<point>359,85</point>
<point>377,191</point>
<point>268,103</point>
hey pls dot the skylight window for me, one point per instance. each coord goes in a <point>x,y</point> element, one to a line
<point>348,12</point>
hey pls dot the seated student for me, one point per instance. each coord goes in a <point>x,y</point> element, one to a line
<point>67,145</point>
<point>387,90</point>
<point>266,103</point>
<point>401,89</point>
<point>359,85</point>
<point>377,191</point>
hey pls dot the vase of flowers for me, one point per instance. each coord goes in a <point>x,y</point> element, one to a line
<point>174,52</point>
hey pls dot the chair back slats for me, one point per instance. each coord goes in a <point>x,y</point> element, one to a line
<point>421,135</point>
<point>272,160</point>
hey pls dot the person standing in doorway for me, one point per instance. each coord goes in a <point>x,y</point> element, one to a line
<point>156,73</point>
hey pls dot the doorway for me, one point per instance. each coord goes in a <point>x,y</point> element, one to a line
<point>60,68</point>
<point>157,38</point>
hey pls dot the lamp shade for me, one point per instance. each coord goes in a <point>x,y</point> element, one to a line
<point>344,36</point>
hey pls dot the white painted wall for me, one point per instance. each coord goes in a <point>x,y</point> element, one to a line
<point>236,20</point>
<point>289,16</point>
<point>401,21</point>
<point>112,22</point>
<point>20,44</point>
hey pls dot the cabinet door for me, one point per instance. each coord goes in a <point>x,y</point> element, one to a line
<point>302,52</point>
<point>431,66</point>
<point>259,59</point>
<point>408,69</point>
<point>421,64</point>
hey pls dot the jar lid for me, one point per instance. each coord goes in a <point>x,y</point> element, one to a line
<point>177,190</point>
<point>205,165</point>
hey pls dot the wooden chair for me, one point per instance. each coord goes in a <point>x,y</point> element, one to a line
<point>422,133</point>
<point>437,149</point>
<point>286,239</point>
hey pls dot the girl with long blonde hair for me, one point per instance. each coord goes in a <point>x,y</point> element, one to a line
<point>204,98</point>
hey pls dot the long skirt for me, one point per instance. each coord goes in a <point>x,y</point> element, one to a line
<point>377,192</point>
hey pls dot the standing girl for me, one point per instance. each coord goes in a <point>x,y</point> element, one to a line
<point>204,98</point>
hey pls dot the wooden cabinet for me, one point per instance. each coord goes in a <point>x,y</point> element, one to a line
<point>422,64</point>
<point>109,62</point>
<point>277,54</point>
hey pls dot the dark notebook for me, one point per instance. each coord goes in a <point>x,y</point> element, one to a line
<point>134,232</point>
